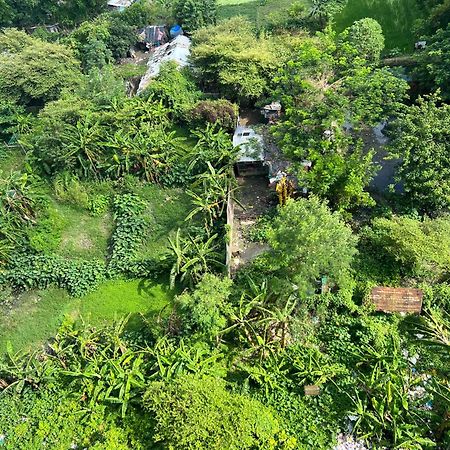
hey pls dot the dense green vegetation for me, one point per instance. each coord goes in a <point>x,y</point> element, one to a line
<point>120,327</point>
<point>397,18</point>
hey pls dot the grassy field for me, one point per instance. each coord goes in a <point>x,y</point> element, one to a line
<point>166,213</point>
<point>10,160</point>
<point>83,235</point>
<point>36,315</point>
<point>256,11</point>
<point>396,17</point>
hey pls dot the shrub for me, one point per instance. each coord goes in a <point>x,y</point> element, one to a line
<point>129,232</point>
<point>201,413</point>
<point>45,237</point>
<point>174,89</point>
<point>40,271</point>
<point>220,111</point>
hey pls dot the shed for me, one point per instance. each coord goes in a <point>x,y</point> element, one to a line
<point>119,5</point>
<point>153,35</point>
<point>389,299</point>
<point>272,111</point>
<point>420,45</point>
<point>177,50</point>
<point>251,151</point>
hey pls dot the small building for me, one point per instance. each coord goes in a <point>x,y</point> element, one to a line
<point>251,151</point>
<point>153,36</point>
<point>404,300</point>
<point>272,111</point>
<point>49,28</point>
<point>420,45</point>
<point>119,5</point>
<point>177,51</point>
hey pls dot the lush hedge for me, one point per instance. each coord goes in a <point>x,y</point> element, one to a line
<point>40,271</point>
<point>128,234</point>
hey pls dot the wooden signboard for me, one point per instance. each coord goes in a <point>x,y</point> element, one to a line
<point>312,390</point>
<point>405,300</point>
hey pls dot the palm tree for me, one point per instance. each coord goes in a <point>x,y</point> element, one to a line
<point>193,258</point>
<point>211,202</point>
<point>82,143</point>
<point>277,320</point>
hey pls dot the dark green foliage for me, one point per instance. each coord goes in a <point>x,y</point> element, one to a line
<point>128,234</point>
<point>420,137</point>
<point>221,112</point>
<point>39,271</point>
<point>10,115</point>
<point>24,13</point>
<point>175,89</point>
<point>194,14</point>
<point>434,62</point>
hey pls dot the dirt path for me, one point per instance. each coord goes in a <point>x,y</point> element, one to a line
<point>255,199</point>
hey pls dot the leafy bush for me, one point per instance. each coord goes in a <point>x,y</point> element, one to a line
<point>412,247</point>
<point>99,204</point>
<point>201,413</point>
<point>40,271</point>
<point>222,112</point>
<point>205,309</point>
<point>129,232</point>
<point>194,14</point>
<point>174,89</point>
<point>45,237</point>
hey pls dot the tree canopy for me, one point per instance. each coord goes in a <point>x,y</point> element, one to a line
<point>309,242</point>
<point>34,71</point>
<point>420,138</point>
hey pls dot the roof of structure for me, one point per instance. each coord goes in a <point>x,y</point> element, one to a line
<point>152,33</point>
<point>120,3</point>
<point>250,142</point>
<point>274,106</point>
<point>177,50</point>
<point>397,299</point>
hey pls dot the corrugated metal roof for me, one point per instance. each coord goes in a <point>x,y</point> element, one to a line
<point>389,299</point>
<point>177,50</point>
<point>120,3</point>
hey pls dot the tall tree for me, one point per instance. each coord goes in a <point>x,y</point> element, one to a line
<point>366,35</point>
<point>231,59</point>
<point>194,14</point>
<point>433,70</point>
<point>421,139</point>
<point>308,242</point>
<point>34,71</point>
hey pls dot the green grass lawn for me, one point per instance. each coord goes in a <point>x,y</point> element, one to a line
<point>166,213</point>
<point>83,235</point>
<point>36,315</point>
<point>11,159</point>
<point>396,17</point>
<point>256,11</point>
